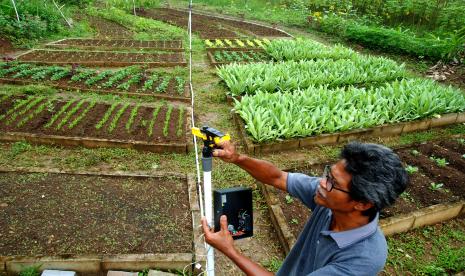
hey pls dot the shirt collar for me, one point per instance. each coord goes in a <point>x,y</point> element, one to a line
<point>349,237</point>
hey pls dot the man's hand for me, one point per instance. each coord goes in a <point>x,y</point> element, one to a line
<point>226,151</point>
<point>221,240</point>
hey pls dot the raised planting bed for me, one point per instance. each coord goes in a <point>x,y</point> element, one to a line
<point>92,223</point>
<point>221,57</point>
<point>116,44</point>
<point>318,115</point>
<point>102,58</point>
<point>133,80</point>
<point>211,26</point>
<point>108,29</point>
<point>161,127</point>
<point>236,44</point>
<point>435,192</point>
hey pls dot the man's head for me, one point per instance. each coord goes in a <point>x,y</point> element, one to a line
<point>368,178</point>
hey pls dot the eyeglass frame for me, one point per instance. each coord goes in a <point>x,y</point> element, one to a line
<point>330,180</point>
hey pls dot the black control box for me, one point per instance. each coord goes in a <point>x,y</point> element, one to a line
<point>236,204</point>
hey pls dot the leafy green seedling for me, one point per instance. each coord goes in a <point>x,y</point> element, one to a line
<point>461,141</point>
<point>289,199</point>
<point>407,196</point>
<point>411,169</point>
<point>435,186</point>
<point>415,152</point>
<point>294,221</point>
<point>441,162</point>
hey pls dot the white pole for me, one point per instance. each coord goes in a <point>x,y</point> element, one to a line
<point>16,10</point>
<point>59,9</point>
<point>134,7</point>
<point>207,186</point>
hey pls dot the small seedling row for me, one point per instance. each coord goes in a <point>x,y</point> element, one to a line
<point>102,58</point>
<point>109,29</point>
<point>236,43</point>
<point>219,57</point>
<point>163,123</point>
<point>133,79</point>
<point>172,45</point>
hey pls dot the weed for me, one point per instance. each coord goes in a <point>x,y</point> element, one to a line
<point>272,264</point>
<point>461,141</point>
<point>415,152</point>
<point>294,221</point>
<point>31,270</point>
<point>18,148</point>
<point>407,196</point>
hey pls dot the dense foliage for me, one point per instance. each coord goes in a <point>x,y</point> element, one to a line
<point>319,109</point>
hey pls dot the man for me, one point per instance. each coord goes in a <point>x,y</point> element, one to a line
<point>342,236</point>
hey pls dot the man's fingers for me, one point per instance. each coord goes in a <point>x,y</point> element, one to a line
<point>218,153</point>
<point>224,223</point>
<point>206,228</point>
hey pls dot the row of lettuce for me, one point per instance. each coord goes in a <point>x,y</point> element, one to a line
<point>313,89</point>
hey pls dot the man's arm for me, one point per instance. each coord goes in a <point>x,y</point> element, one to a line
<point>223,241</point>
<point>263,171</point>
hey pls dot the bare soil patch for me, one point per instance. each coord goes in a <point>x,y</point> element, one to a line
<point>208,26</point>
<point>51,214</point>
<point>5,47</point>
<point>109,29</point>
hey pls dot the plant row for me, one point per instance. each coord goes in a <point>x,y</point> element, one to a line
<point>127,79</point>
<point>64,116</point>
<point>289,75</point>
<point>239,56</point>
<point>306,49</point>
<point>320,109</point>
<point>236,43</point>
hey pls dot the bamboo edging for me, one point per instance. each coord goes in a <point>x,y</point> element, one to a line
<point>377,131</point>
<point>100,264</point>
<point>390,226</point>
<point>90,142</point>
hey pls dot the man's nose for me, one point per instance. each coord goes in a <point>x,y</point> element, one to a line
<point>323,182</point>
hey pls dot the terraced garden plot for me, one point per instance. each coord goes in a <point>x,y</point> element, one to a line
<point>103,58</point>
<point>235,43</point>
<point>109,29</point>
<point>171,45</point>
<point>211,27</point>
<point>158,128</point>
<point>430,183</point>
<point>56,213</point>
<point>220,57</point>
<point>133,80</point>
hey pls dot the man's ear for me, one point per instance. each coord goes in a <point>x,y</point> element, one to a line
<point>363,206</point>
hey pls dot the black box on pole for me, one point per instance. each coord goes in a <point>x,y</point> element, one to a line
<point>236,204</point>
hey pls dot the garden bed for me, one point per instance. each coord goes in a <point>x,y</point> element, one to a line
<point>210,26</point>
<point>424,202</point>
<point>339,137</point>
<point>108,29</point>
<point>132,221</point>
<point>117,44</point>
<point>90,123</point>
<point>132,81</point>
<point>221,57</point>
<point>102,58</point>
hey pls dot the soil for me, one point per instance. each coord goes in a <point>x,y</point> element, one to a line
<point>122,43</point>
<point>76,57</point>
<point>52,214</point>
<point>67,84</point>
<point>419,193</point>
<point>87,126</point>
<point>109,29</point>
<point>5,47</point>
<point>210,27</point>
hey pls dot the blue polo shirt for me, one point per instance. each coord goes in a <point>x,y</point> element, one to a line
<point>319,251</point>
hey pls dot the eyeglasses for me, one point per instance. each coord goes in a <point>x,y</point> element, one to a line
<point>330,180</point>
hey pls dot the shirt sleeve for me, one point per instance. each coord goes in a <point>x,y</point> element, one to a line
<point>303,187</point>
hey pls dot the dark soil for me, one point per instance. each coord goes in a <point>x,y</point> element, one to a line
<point>419,193</point>
<point>5,47</point>
<point>210,27</point>
<point>51,214</point>
<point>109,29</point>
<point>138,131</point>
<point>123,43</point>
<point>76,57</point>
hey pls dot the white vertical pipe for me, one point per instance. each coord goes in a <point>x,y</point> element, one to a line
<point>207,186</point>
<point>16,10</point>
